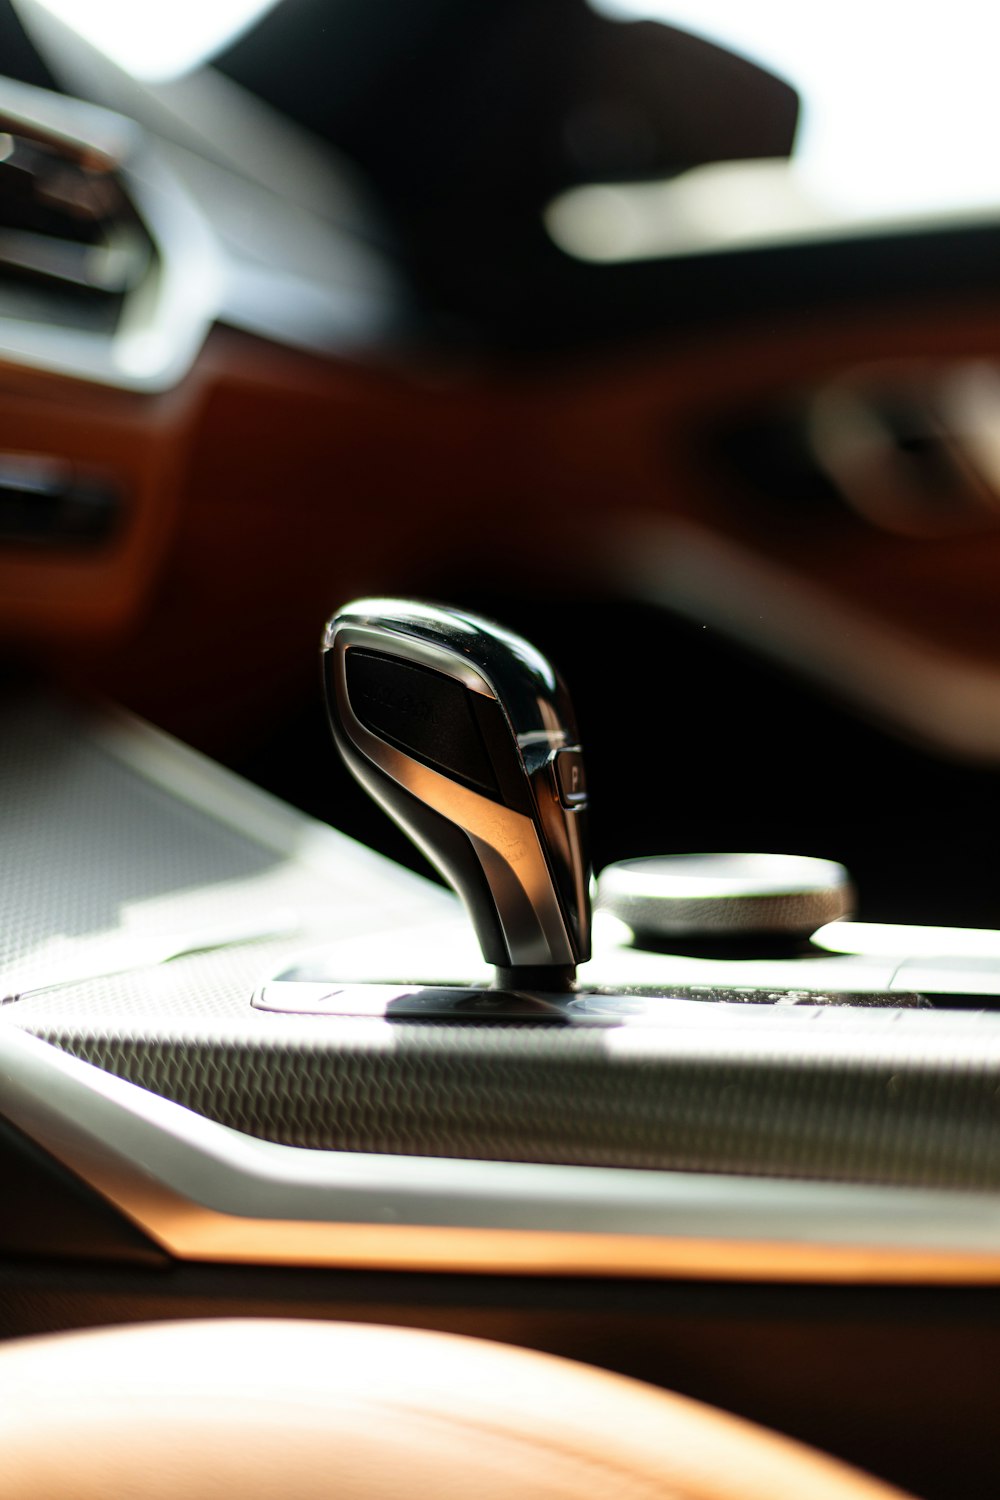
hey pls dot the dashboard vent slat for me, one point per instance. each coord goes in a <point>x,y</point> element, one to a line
<point>71,245</point>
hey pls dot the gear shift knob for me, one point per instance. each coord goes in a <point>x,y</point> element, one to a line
<point>466,736</point>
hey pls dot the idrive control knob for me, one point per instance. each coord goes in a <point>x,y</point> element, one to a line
<point>466,736</point>
<point>684,896</point>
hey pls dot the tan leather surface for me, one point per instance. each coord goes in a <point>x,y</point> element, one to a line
<point>302,1410</point>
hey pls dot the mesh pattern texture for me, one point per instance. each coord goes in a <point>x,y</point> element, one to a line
<point>89,844</point>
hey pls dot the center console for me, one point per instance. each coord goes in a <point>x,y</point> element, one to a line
<point>260,1041</point>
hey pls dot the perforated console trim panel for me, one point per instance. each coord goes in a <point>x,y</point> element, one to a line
<point>538,1093</point>
<point>109,830</point>
<point>90,840</point>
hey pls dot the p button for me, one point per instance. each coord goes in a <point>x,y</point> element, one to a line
<point>570,778</point>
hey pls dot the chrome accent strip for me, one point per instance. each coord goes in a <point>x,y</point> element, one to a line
<point>203,1191</point>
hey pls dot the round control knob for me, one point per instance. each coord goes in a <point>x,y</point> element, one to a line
<point>725,895</point>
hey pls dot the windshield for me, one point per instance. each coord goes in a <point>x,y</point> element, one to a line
<point>900,110</point>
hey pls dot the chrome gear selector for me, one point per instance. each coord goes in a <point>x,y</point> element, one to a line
<point>466,736</point>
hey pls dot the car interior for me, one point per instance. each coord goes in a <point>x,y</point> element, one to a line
<point>500,701</point>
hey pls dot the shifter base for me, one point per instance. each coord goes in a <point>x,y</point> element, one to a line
<point>411,1002</point>
<point>289,994</point>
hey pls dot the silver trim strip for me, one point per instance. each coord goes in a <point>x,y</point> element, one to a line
<point>206,1192</point>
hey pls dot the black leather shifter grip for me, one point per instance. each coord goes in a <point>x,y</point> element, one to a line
<point>428,715</point>
<point>466,736</point>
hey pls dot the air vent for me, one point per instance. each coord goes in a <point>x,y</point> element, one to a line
<point>108,271</point>
<point>71,245</point>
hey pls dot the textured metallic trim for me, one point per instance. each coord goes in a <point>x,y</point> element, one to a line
<point>725,895</point>
<point>205,1192</point>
